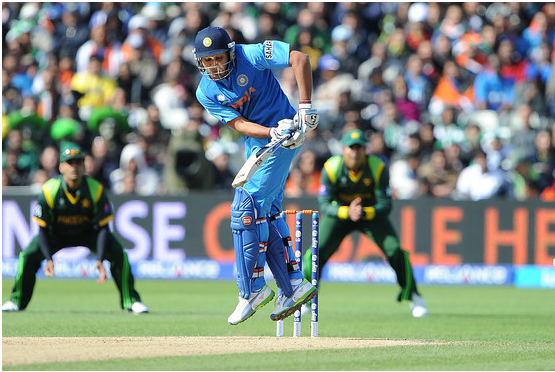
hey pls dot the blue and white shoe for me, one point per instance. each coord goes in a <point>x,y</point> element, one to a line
<point>246,308</point>
<point>286,306</point>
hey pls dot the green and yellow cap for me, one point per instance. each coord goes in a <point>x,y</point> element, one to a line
<point>354,137</point>
<point>70,150</point>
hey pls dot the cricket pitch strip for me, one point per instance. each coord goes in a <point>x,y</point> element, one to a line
<point>30,350</point>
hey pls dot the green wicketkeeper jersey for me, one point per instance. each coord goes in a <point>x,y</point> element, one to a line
<point>68,216</point>
<point>339,187</point>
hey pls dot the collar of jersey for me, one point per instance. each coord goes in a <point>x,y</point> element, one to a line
<point>355,177</point>
<point>72,199</point>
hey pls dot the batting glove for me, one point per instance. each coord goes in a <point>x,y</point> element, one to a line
<point>285,127</point>
<point>295,141</point>
<point>306,118</point>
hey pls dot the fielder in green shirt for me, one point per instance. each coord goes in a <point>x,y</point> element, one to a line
<point>73,210</point>
<point>354,195</point>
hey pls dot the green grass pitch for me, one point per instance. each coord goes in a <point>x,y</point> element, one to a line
<point>503,328</point>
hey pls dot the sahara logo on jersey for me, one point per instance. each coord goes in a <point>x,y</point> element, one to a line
<point>268,49</point>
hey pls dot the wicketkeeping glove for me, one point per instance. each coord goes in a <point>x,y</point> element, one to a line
<point>307,118</point>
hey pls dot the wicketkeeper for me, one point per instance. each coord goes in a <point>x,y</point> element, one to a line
<point>239,89</point>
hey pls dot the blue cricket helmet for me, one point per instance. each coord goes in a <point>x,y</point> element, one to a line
<point>212,41</point>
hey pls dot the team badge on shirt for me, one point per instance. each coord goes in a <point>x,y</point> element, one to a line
<point>86,203</point>
<point>38,211</point>
<point>242,80</point>
<point>322,190</point>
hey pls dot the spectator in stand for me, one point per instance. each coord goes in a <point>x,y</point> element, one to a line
<point>452,153</point>
<point>99,165</point>
<point>438,179</point>
<point>218,156</point>
<point>305,44</point>
<point>491,90</point>
<point>377,147</point>
<point>357,45</point>
<point>155,138</point>
<point>306,20</point>
<point>428,140</point>
<point>99,44</point>
<point>268,27</point>
<point>477,182</point>
<point>142,62</point>
<point>408,109</point>
<point>332,83</point>
<point>171,98</point>
<point>71,32</point>
<point>472,142</point>
<point>446,128</point>
<point>453,25</point>
<point>133,162</point>
<point>417,28</point>
<point>452,91</point>
<point>49,161</point>
<point>524,132</point>
<point>156,26</point>
<point>138,30</point>
<point>419,87</point>
<point>22,79</point>
<point>543,160</point>
<point>403,179</point>
<point>429,68</point>
<point>390,122</point>
<point>92,88</point>
<point>304,178</point>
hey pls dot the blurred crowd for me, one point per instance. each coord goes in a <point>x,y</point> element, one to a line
<point>457,98</point>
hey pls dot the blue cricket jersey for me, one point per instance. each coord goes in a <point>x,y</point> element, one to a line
<point>252,91</point>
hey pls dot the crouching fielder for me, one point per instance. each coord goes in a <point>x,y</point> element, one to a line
<point>239,89</point>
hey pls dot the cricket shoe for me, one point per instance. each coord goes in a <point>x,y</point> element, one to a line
<point>286,306</point>
<point>247,307</point>
<point>418,307</point>
<point>138,308</point>
<point>10,306</point>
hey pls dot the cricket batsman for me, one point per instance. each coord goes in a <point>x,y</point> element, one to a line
<point>239,89</point>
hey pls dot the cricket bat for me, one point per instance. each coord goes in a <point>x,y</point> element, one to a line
<point>256,160</point>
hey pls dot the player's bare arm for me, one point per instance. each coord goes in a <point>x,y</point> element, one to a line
<point>303,74</point>
<point>249,128</point>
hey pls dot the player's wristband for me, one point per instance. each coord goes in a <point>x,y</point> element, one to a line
<point>343,212</point>
<point>369,213</point>
<point>305,105</point>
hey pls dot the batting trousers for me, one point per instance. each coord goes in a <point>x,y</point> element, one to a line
<point>31,258</point>
<point>381,231</point>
